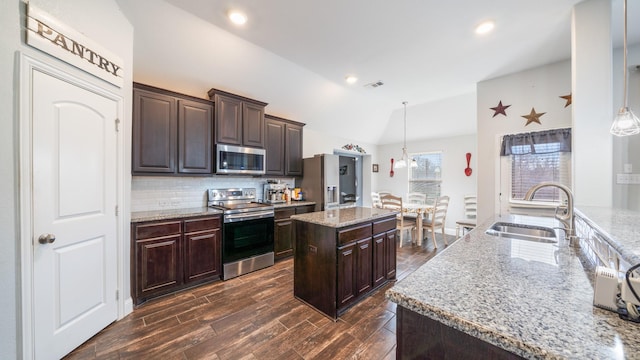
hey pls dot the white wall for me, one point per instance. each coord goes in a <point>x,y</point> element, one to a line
<point>103,23</point>
<point>455,183</point>
<point>538,88</point>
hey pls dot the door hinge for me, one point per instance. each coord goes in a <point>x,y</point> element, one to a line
<point>117,124</point>
<point>116,210</point>
<point>117,294</point>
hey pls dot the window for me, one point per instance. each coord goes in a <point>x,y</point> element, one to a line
<point>426,178</point>
<point>538,157</point>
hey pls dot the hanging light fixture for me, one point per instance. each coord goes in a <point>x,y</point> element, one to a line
<point>626,122</point>
<point>405,157</point>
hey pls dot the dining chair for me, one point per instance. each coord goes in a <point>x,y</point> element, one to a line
<point>375,200</point>
<point>437,219</point>
<point>417,198</point>
<point>469,221</point>
<point>395,203</point>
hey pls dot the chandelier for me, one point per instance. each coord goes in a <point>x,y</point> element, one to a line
<point>405,157</point>
<point>626,122</point>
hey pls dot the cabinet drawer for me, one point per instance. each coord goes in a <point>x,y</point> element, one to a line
<point>286,213</point>
<point>201,224</point>
<point>354,233</point>
<point>305,209</point>
<point>147,231</point>
<point>384,225</point>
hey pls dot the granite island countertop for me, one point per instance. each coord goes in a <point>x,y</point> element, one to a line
<point>344,217</point>
<point>532,299</point>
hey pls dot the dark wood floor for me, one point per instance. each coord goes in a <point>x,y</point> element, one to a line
<point>255,316</point>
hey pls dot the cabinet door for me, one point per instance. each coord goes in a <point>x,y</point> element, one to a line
<point>390,254</point>
<point>346,274</point>
<point>293,155</point>
<point>305,209</point>
<point>274,145</point>
<point>253,125</point>
<point>158,266</point>
<point>379,259</point>
<point>228,120</point>
<point>195,137</point>
<point>283,238</point>
<point>364,270</point>
<point>202,255</point>
<point>154,132</point>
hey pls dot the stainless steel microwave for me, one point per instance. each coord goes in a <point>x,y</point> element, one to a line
<point>240,160</point>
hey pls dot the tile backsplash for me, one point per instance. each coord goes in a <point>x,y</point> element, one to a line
<point>149,193</point>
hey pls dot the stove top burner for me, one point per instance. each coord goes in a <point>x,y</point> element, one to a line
<point>235,201</point>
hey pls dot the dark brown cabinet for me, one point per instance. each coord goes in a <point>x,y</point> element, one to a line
<point>238,120</point>
<point>334,268</point>
<point>170,255</point>
<point>172,133</point>
<point>284,146</point>
<point>284,232</point>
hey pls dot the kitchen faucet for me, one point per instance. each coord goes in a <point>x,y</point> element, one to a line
<point>564,214</point>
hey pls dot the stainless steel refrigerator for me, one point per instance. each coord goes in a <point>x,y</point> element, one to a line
<point>321,181</point>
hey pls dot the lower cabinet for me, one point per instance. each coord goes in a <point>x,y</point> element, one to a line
<point>334,268</point>
<point>171,255</point>
<point>284,232</point>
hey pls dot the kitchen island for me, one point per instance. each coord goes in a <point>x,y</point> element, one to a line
<point>342,255</point>
<point>486,296</point>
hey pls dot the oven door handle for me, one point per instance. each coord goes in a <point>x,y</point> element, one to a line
<point>248,216</point>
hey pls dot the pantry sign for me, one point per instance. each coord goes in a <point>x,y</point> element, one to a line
<point>46,33</point>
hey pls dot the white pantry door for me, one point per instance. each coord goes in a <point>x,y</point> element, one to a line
<point>74,196</point>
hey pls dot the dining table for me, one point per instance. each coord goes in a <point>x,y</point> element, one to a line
<point>422,211</point>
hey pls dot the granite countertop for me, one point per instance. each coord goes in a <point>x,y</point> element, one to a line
<point>620,227</point>
<point>532,299</point>
<point>344,217</point>
<point>293,203</point>
<point>142,216</point>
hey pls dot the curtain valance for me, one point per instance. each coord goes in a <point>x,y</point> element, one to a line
<point>540,142</point>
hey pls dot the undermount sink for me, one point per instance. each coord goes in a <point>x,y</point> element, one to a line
<point>522,232</point>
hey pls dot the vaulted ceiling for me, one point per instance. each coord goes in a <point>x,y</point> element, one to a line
<point>423,51</point>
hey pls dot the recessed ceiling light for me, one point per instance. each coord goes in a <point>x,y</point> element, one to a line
<point>485,27</point>
<point>350,79</point>
<point>237,17</point>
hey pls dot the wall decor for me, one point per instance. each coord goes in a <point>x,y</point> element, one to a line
<point>391,171</point>
<point>567,98</point>
<point>352,147</point>
<point>467,170</point>
<point>533,117</point>
<point>375,168</point>
<point>500,109</point>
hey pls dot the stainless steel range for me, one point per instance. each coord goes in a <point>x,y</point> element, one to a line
<point>247,230</point>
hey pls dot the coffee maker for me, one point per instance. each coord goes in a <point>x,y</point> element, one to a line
<point>274,193</point>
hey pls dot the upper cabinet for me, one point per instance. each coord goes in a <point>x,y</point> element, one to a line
<point>239,120</point>
<point>172,133</point>
<point>283,143</point>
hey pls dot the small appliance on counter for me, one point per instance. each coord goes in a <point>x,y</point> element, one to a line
<point>274,193</point>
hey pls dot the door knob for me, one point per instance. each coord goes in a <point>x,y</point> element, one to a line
<point>46,238</point>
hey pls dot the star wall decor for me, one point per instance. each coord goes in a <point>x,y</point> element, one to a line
<point>500,109</point>
<point>533,117</point>
<point>568,98</point>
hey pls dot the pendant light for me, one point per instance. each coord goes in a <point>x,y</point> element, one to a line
<point>626,122</point>
<point>405,157</point>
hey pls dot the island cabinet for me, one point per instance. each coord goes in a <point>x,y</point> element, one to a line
<point>336,267</point>
<point>283,144</point>
<point>172,133</point>
<point>284,232</point>
<point>239,120</point>
<point>170,255</point>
